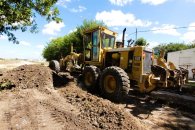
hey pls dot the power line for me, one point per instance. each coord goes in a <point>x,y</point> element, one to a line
<point>152,30</point>
<point>131,34</point>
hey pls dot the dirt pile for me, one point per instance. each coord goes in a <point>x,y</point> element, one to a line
<point>35,104</point>
<point>29,76</point>
<point>101,113</point>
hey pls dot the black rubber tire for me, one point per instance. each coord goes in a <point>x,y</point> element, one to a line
<point>95,76</point>
<point>122,81</point>
<point>54,65</point>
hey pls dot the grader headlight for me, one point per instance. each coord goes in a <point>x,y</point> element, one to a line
<point>115,56</point>
<point>144,55</point>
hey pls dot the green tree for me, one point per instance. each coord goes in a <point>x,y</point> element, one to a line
<point>171,47</point>
<point>78,34</point>
<point>60,48</point>
<point>21,14</point>
<point>53,49</point>
<point>141,42</point>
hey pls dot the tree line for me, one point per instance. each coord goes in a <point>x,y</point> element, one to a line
<point>171,47</point>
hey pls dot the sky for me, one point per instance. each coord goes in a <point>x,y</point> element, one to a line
<point>163,16</point>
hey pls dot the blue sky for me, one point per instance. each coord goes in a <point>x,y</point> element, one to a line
<point>161,15</point>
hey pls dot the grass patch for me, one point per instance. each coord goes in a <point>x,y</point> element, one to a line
<point>6,85</point>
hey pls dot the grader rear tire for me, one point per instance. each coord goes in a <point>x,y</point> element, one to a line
<point>90,77</point>
<point>54,65</point>
<point>114,83</point>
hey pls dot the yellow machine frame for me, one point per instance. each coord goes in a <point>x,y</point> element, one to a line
<point>137,71</point>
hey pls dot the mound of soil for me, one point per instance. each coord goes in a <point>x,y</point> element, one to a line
<point>29,76</point>
<point>101,113</point>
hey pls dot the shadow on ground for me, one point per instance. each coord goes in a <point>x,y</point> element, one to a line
<point>61,79</point>
<point>161,113</point>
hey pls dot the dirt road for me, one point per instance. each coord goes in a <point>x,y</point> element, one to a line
<point>13,63</point>
<point>40,100</point>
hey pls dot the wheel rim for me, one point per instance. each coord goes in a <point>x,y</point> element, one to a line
<point>110,84</point>
<point>88,79</point>
<point>69,65</point>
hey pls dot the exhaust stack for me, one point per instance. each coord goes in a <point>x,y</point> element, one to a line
<point>123,38</point>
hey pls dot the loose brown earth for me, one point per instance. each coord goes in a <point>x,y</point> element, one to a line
<point>43,100</point>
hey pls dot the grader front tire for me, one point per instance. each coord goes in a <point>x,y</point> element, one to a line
<point>114,83</point>
<point>90,77</point>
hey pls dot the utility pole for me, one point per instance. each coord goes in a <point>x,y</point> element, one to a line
<point>136,34</point>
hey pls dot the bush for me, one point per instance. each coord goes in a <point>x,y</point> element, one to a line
<point>53,50</point>
<point>140,42</point>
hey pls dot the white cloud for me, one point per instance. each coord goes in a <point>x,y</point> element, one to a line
<point>188,36</point>
<point>116,28</point>
<point>153,2</point>
<point>63,3</point>
<point>191,27</point>
<point>191,1</point>
<point>120,2</point>
<point>153,44</point>
<point>40,46</point>
<point>118,18</point>
<point>20,23</point>
<point>72,30</point>
<point>17,24</point>
<point>156,23</point>
<point>119,37</point>
<point>79,9</point>
<point>52,28</point>
<point>24,43</point>
<point>2,37</point>
<point>51,38</point>
<point>166,29</point>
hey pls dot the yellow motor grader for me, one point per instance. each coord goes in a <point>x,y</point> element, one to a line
<point>113,68</point>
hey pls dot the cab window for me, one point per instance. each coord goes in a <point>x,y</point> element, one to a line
<point>107,41</point>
